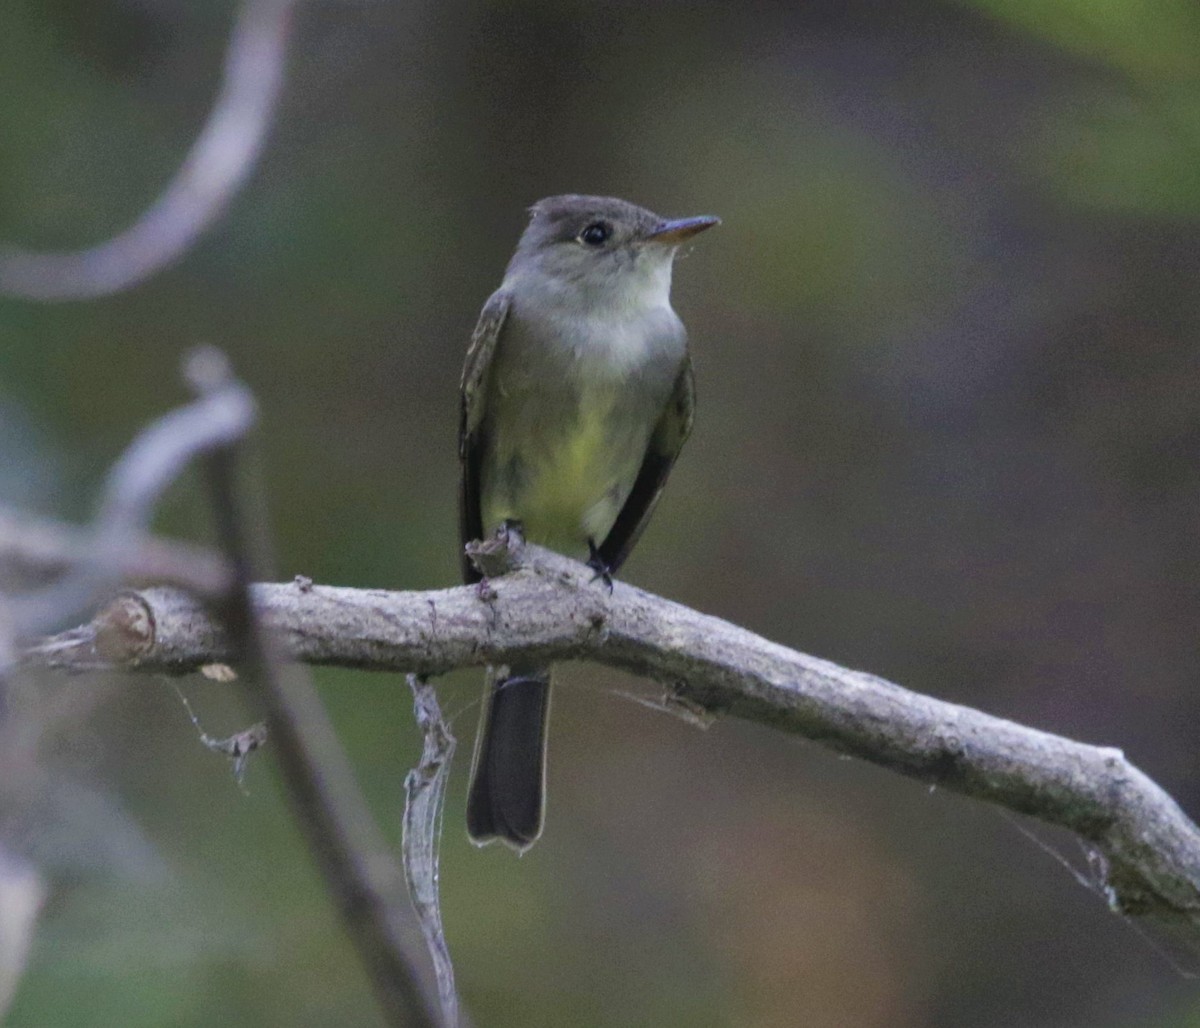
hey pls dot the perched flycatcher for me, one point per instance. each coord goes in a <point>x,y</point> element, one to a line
<point>576,398</point>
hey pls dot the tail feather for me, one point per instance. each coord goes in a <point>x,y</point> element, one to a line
<point>508,775</point>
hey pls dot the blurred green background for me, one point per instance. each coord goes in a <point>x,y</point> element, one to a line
<point>947,354</point>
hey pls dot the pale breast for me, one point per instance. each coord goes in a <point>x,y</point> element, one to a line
<point>571,406</point>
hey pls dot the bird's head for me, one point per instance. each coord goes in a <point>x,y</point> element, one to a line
<point>599,245</point>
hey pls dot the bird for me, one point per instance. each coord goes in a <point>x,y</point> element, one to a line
<point>576,397</point>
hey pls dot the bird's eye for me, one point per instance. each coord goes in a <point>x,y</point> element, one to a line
<point>596,234</point>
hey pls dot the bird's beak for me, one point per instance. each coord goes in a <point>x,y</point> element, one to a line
<point>672,233</point>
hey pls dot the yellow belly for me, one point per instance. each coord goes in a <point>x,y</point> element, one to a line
<point>570,487</point>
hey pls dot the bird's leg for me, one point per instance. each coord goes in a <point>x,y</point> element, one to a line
<point>597,564</point>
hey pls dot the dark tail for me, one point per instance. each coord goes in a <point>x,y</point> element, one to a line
<point>508,775</point>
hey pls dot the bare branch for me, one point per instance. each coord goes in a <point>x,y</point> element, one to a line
<point>219,162</point>
<point>145,470</point>
<point>547,610</point>
<point>366,882</point>
<point>23,891</point>
<point>425,797</point>
<point>35,551</point>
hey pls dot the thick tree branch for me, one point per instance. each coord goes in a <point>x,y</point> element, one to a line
<point>1147,851</point>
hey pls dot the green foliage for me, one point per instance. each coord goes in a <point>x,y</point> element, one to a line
<point>1130,143</point>
<point>1130,152</point>
<point>1157,39</point>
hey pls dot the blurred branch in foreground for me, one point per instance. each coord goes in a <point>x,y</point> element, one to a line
<point>215,168</point>
<point>35,551</point>
<point>1144,852</point>
<point>365,882</point>
<point>59,570</point>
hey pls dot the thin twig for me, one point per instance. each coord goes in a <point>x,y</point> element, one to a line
<point>23,891</point>
<point>9,661</point>
<point>35,551</point>
<point>154,460</point>
<point>365,880</point>
<point>547,610</point>
<point>425,794</point>
<point>237,748</point>
<point>215,168</point>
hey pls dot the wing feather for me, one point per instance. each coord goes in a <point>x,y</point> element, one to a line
<point>470,426</point>
<point>671,432</point>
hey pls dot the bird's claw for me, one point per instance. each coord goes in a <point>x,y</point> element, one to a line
<point>596,562</point>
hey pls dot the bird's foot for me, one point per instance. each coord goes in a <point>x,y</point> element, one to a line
<point>597,564</point>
